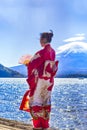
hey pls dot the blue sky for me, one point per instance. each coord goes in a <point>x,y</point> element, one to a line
<point>21,22</point>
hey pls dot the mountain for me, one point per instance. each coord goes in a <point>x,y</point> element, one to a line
<point>6,72</point>
<point>72,59</point>
<point>20,68</point>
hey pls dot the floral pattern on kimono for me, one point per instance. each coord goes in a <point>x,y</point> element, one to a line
<point>41,71</point>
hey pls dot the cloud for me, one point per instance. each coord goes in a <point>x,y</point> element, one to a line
<point>78,37</point>
<point>11,11</point>
<point>25,13</point>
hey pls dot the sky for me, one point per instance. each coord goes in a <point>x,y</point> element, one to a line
<point>22,21</point>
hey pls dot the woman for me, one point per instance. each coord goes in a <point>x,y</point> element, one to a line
<point>41,71</point>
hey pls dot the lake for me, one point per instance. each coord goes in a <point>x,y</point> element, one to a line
<point>69,102</point>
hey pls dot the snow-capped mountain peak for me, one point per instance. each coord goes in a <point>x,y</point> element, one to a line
<point>74,46</point>
<point>72,57</point>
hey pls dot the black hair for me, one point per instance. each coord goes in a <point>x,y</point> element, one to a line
<point>47,35</point>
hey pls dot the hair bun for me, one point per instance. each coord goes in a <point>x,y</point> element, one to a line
<point>51,34</point>
<point>47,35</point>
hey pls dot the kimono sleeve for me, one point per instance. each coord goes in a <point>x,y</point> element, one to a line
<point>37,60</point>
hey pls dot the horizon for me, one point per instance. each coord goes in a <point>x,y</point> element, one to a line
<point>22,21</point>
<point>76,44</point>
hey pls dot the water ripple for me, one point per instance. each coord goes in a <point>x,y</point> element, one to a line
<point>69,102</point>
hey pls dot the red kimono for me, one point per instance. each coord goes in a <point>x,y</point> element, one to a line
<point>41,71</point>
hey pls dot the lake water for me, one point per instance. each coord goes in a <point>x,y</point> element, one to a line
<point>69,102</point>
